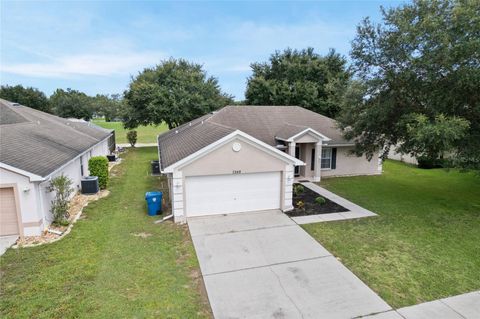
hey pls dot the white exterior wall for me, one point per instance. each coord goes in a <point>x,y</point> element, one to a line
<point>350,164</point>
<point>28,196</point>
<point>35,204</point>
<point>406,158</point>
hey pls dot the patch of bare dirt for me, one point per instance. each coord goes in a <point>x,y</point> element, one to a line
<point>142,235</point>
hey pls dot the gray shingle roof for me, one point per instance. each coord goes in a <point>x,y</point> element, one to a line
<point>262,122</point>
<point>39,142</point>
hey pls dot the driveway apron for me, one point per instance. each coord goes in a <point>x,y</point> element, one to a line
<point>263,265</point>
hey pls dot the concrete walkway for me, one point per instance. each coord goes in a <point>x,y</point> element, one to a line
<point>263,265</point>
<point>6,242</point>
<point>466,306</point>
<point>355,211</point>
<point>137,145</point>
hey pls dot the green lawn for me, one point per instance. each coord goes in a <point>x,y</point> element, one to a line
<point>425,243</point>
<point>101,270</point>
<point>145,134</point>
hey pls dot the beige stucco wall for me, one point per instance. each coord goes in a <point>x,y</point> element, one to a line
<point>224,160</point>
<point>348,164</point>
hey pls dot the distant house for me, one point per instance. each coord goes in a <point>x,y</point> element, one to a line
<point>34,148</point>
<point>246,158</point>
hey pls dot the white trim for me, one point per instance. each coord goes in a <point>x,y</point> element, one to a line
<point>32,177</point>
<point>309,130</point>
<point>207,149</point>
<point>38,178</point>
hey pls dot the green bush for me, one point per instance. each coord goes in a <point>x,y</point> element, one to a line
<point>98,166</point>
<point>61,185</point>
<point>298,189</point>
<point>132,137</point>
<point>320,200</point>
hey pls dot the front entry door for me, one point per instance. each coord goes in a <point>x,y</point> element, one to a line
<point>297,155</point>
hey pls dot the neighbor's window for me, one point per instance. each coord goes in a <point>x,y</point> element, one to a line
<point>326,158</point>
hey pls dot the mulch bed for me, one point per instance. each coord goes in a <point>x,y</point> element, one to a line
<point>311,207</point>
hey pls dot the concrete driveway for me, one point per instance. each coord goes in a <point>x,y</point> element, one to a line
<point>6,242</point>
<point>263,265</point>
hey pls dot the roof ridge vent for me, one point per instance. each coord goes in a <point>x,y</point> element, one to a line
<point>15,104</point>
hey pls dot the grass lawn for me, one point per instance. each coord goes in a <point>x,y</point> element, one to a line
<point>101,269</point>
<point>145,134</point>
<point>425,243</point>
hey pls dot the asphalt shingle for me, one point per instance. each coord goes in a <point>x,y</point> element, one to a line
<point>39,142</point>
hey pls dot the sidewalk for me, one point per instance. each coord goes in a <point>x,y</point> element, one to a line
<point>466,306</point>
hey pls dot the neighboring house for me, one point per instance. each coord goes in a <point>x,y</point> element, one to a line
<point>406,158</point>
<point>34,148</point>
<point>246,158</point>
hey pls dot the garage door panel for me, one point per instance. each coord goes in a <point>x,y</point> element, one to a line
<point>8,212</point>
<point>222,194</point>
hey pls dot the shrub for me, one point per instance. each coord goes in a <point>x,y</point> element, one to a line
<point>98,166</point>
<point>61,185</point>
<point>132,137</point>
<point>428,162</point>
<point>320,200</point>
<point>298,189</point>
<point>300,204</point>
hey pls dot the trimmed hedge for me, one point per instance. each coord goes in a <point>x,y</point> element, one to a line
<point>98,166</point>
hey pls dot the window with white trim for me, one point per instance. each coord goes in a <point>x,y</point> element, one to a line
<point>326,161</point>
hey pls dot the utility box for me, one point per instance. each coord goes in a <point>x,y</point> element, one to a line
<point>155,167</point>
<point>90,185</point>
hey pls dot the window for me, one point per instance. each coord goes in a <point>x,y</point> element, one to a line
<point>312,160</point>
<point>326,158</point>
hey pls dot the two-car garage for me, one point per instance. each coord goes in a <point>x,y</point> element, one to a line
<point>223,194</point>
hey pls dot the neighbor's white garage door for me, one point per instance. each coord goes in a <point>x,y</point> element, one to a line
<point>223,194</point>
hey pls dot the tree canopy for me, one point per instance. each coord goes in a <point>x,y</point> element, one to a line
<point>299,77</point>
<point>418,82</point>
<point>27,96</point>
<point>174,92</point>
<point>72,103</point>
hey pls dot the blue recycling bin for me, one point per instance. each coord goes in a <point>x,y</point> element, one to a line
<point>154,202</point>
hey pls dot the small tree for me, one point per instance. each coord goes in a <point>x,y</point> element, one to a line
<point>132,137</point>
<point>98,166</point>
<point>61,185</point>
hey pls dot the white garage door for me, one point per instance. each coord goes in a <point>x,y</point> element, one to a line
<point>223,194</point>
<point>8,212</point>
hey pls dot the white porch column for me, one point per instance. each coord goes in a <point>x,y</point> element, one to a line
<point>318,157</point>
<point>291,149</point>
<point>177,198</point>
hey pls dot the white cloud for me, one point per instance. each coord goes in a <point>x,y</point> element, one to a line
<point>86,64</point>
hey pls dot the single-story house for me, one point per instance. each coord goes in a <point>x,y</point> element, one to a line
<point>34,148</point>
<point>246,158</point>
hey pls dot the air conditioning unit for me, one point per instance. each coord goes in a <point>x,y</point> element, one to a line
<point>90,185</point>
<point>155,167</point>
<point>112,158</point>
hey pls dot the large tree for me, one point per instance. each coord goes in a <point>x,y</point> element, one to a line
<point>174,92</point>
<point>108,106</point>
<point>72,103</point>
<point>303,78</point>
<point>418,82</point>
<point>27,96</point>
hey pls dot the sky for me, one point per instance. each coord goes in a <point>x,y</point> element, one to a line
<point>98,46</point>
